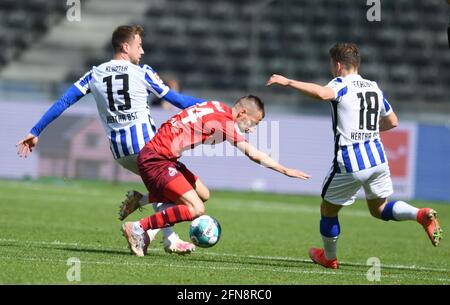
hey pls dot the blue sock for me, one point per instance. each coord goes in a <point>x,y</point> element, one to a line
<point>387,213</point>
<point>329,226</point>
<point>329,229</point>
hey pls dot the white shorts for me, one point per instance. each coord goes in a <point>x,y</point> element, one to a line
<point>342,188</point>
<point>130,163</point>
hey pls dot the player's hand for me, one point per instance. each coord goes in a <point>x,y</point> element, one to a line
<point>26,145</point>
<point>294,173</point>
<point>278,79</point>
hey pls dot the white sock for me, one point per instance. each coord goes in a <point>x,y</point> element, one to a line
<point>403,211</point>
<point>329,245</point>
<point>144,201</point>
<point>158,207</point>
<point>137,229</point>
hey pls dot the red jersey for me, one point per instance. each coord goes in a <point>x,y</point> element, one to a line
<point>205,123</point>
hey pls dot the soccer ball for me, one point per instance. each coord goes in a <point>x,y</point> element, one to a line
<point>205,231</point>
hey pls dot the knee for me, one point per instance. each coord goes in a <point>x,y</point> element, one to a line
<point>205,195</point>
<point>198,210</point>
<point>373,213</point>
<point>328,210</point>
<point>376,207</point>
<point>376,212</point>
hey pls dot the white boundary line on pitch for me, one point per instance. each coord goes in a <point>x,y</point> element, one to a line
<point>278,270</point>
<point>280,258</point>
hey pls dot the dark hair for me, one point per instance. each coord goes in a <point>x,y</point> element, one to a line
<point>125,33</point>
<point>346,53</point>
<point>256,101</point>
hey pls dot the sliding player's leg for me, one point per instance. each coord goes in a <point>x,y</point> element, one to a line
<point>135,200</point>
<point>167,181</point>
<point>202,190</point>
<point>172,242</point>
<point>188,206</point>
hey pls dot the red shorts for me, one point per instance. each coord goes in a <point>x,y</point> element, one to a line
<point>166,180</point>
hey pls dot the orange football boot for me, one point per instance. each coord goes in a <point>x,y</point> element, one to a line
<point>318,256</point>
<point>428,219</point>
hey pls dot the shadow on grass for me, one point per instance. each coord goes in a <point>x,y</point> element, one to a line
<point>249,261</point>
<point>100,251</point>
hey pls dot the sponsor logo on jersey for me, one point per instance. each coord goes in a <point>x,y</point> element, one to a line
<point>172,171</point>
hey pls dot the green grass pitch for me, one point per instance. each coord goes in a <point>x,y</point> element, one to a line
<point>265,240</point>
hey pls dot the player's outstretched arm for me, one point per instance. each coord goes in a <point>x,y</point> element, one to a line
<point>313,90</point>
<point>263,159</point>
<point>180,100</point>
<point>71,96</point>
<point>26,145</point>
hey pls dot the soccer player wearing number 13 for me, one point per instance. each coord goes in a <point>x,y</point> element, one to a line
<point>360,112</point>
<point>120,88</point>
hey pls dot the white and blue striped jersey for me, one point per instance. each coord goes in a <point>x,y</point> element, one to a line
<point>120,89</point>
<point>357,108</point>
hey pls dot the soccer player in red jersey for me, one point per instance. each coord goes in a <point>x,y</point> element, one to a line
<point>169,181</point>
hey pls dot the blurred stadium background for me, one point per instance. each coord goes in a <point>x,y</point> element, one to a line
<point>222,50</point>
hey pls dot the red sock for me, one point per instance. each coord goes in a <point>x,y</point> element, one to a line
<point>166,218</point>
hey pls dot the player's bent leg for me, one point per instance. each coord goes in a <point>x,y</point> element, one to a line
<point>376,207</point>
<point>400,210</point>
<point>172,243</point>
<point>194,203</point>
<point>188,205</point>
<point>202,190</point>
<point>168,217</point>
<point>195,182</point>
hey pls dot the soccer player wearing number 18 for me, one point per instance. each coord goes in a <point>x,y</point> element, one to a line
<point>120,88</point>
<point>360,111</point>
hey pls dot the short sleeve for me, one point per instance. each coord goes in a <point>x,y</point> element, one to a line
<point>339,87</point>
<point>386,109</point>
<point>154,82</point>
<point>83,83</point>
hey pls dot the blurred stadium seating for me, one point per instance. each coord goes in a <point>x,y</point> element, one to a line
<point>223,50</point>
<point>23,22</point>
<point>235,45</point>
<point>209,44</point>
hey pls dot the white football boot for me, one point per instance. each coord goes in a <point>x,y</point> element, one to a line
<point>174,244</point>
<point>137,243</point>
